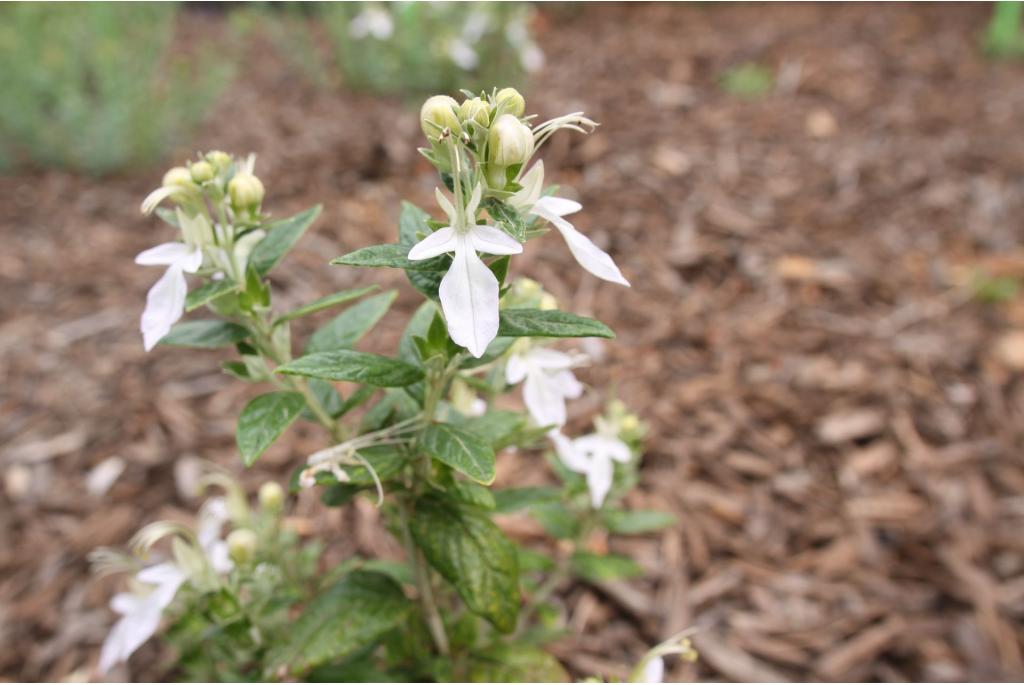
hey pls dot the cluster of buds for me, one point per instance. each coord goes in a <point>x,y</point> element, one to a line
<point>217,207</point>
<point>493,129</point>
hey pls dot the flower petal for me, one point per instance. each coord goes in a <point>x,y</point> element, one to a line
<point>590,256</point>
<point>156,197</point>
<point>599,480</point>
<point>437,243</point>
<point>548,359</point>
<point>654,670</point>
<point>165,303</point>
<point>469,299</point>
<point>567,383</point>
<point>544,399</point>
<point>129,633</point>
<point>573,460</point>
<point>164,254</point>
<point>559,206</point>
<point>533,183</point>
<point>493,240</point>
<point>516,369</point>
<point>474,201</point>
<point>446,205</point>
<point>603,447</point>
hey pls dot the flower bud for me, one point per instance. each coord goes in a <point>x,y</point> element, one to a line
<point>178,176</point>
<point>271,497</point>
<point>439,110</point>
<point>202,171</point>
<point>475,110</point>
<point>509,100</point>
<point>246,191</point>
<point>242,546</point>
<point>548,302</point>
<point>511,142</point>
<point>220,160</point>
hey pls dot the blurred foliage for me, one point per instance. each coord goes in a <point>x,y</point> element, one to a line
<point>1004,37</point>
<point>993,289</point>
<point>748,80</point>
<point>92,87</point>
<point>410,48</point>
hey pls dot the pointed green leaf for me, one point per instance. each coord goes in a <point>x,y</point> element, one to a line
<point>411,221</point>
<point>281,236</point>
<point>638,521</point>
<point>602,567</point>
<point>208,292</point>
<point>263,421</point>
<point>473,555</point>
<point>465,452</point>
<point>358,367</point>
<point>514,499</point>
<point>515,663</point>
<point>393,255</point>
<point>324,303</point>
<point>207,334</point>
<point>550,323</point>
<point>349,616</point>
<point>346,328</point>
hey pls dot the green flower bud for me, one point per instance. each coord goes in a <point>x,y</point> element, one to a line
<point>178,176</point>
<point>202,171</point>
<point>242,546</point>
<point>271,497</point>
<point>220,160</point>
<point>475,110</point>
<point>246,192</point>
<point>439,110</point>
<point>510,141</point>
<point>509,100</point>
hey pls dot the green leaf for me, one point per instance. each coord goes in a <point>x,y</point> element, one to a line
<point>325,303</point>
<point>281,236</point>
<point>206,334</point>
<point>328,397</point>
<point>208,292</point>
<point>473,494</point>
<point>416,328</point>
<point>237,369</point>
<point>395,406</point>
<point>638,521</point>
<point>389,255</point>
<point>465,452</point>
<point>427,280</point>
<point>550,323</point>
<point>495,427</point>
<point>357,398</point>
<point>515,499</point>
<point>357,367</point>
<point>349,616</point>
<point>600,567</point>
<point>346,328</point>
<point>263,420</point>
<point>509,220</point>
<point>411,221</point>
<point>515,663</point>
<point>473,555</point>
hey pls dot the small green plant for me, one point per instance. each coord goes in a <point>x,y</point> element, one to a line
<point>91,86</point>
<point>1004,37</point>
<point>414,48</point>
<point>750,80</point>
<point>417,432</point>
<point>993,289</point>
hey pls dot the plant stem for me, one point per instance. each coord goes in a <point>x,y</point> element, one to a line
<point>424,590</point>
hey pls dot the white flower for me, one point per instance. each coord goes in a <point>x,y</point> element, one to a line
<point>469,291</point>
<point>552,209</point>
<point>463,54</point>
<point>592,455</point>
<point>549,382</point>
<point>654,670</point>
<point>140,612</point>
<point>165,302</point>
<point>372,21</point>
<point>157,585</point>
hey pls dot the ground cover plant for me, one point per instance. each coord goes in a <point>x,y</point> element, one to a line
<point>416,431</point>
<point>93,86</point>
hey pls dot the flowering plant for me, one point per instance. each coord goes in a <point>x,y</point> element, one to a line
<point>417,432</point>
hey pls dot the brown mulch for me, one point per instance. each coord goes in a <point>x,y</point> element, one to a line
<point>836,421</point>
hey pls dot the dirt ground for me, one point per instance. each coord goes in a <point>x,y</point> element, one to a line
<point>836,419</point>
